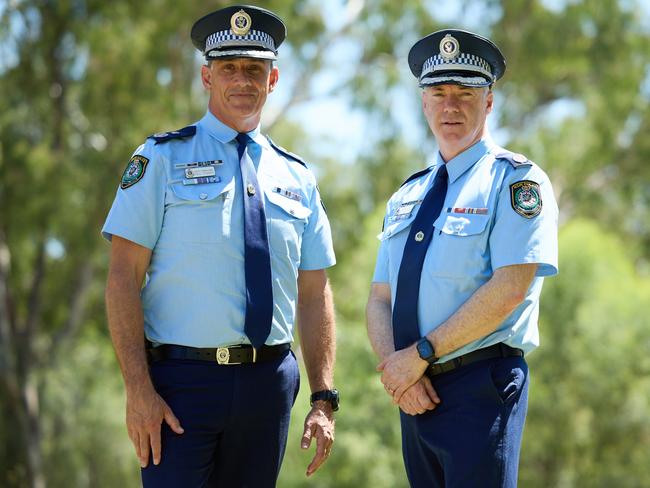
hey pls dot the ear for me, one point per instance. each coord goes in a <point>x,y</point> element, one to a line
<point>489,101</point>
<point>274,76</point>
<point>206,77</point>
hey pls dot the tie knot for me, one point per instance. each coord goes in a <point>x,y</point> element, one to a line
<point>442,172</point>
<point>243,139</point>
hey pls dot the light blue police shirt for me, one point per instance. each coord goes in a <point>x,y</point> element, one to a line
<point>195,292</point>
<point>477,232</point>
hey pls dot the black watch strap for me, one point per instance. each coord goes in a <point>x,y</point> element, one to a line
<point>331,396</point>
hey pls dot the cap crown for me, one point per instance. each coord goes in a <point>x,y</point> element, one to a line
<point>240,31</point>
<point>456,56</point>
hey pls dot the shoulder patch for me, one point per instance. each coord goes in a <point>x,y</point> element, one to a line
<point>134,171</point>
<point>416,175</point>
<point>515,159</point>
<point>286,153</point>
<point>526,198</point>
<point>161,137</point>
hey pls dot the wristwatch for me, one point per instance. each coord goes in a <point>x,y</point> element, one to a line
<point>426,350</point>
<point>331,396</point>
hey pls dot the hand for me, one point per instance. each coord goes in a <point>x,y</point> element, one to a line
<point>145,413</point>
<point>400,370</point>
<point>320,424</point>
<point>419,397</point>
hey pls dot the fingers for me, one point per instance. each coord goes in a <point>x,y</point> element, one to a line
<point>431,392</point>
<point>154,440</point>
<point>322,452</point>
<point>143,453</point>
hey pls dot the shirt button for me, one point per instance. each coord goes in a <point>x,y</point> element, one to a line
<point>203,196</point>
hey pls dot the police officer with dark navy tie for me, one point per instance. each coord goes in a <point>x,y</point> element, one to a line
<point>454,301</point>
<point>219,247</point>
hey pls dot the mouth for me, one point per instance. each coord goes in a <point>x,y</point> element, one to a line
<point>240,95</point>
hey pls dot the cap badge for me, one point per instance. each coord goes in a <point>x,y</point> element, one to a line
<point>240,23</point>
<point>449,47</point>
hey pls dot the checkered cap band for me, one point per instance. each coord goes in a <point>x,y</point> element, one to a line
<point>226,38</point>
<point>462,62</point>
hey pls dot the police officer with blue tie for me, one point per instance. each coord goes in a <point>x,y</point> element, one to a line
<point>228,234</point>
<point>454,301</point>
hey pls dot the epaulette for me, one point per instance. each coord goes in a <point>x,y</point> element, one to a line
<point>288,154</point>
<point>515,159</point>
<point>188,131</point>
<point>416,175</point>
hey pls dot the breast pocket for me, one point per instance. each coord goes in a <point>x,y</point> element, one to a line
<point>198,213</point>
<point>459,245</point>
<point>286,222</point>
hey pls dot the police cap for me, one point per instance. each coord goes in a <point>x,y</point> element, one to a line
<point>454,56</point>
<point>239,31</point>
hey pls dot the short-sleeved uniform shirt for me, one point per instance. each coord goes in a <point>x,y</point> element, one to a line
<point>496,213</point>
<point>195,292</point>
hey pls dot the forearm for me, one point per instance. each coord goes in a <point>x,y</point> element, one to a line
<point>316,325</point>
<point>379,321</point>
<point>485,310</point>
<point>126,325</point>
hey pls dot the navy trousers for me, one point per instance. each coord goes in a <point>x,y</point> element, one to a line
<point>472,439</point>
<point>235,418</point>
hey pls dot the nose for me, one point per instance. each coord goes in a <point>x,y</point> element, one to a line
<point>240,77</point>
<point>450,104</point>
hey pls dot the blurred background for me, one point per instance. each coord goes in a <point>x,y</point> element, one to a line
<point>83,82</point>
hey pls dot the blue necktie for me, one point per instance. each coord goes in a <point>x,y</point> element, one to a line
<point>257,261</point>
<point>406,330</point>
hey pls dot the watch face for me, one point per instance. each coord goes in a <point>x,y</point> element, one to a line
<point>425,349</point>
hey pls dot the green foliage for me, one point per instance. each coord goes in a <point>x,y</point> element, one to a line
<point>588,422</point>
<point>87,80</point>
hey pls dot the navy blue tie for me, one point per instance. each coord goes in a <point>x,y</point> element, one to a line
<point>257,261</point>
<point>406,328</point>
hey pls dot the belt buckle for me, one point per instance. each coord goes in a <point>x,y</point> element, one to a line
<point>223,356</point>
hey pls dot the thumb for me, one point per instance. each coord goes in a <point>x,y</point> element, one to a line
<point>306,436</point>
<point>382,365</point>
<point>172,421</point>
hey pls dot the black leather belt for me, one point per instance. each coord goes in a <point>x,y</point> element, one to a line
<point>242,354</point>
<point>492,352</point>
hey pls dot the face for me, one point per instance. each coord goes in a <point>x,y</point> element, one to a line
<point>456,115</point>
<point>238,89</point>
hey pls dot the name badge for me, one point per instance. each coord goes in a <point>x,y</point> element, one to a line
<point>200,172</point>
<point>202,180</point>
<point>199,164</point>
<point>405,209</point>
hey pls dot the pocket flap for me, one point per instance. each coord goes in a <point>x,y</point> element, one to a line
<point>292,207</point>
<point>395,227</point>
<point>461,225</point>
<point>201,193</point>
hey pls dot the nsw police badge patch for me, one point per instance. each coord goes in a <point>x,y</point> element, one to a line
<point>134,171</point>
<point>526,199</point>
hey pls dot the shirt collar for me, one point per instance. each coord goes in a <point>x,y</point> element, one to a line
<point>224,133</point>
<point>465,160</point>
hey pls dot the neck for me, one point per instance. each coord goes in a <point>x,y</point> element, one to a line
<point>450,151</point>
